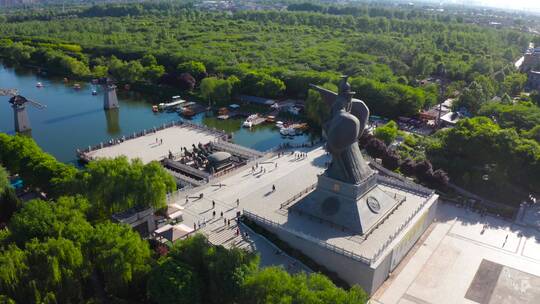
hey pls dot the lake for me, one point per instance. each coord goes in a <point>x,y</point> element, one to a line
<point>76,119</point>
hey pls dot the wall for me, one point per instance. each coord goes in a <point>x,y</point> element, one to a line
<point>354,271</point>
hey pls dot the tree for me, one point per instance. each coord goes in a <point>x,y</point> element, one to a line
<point>174,283</point>
<point>121,257</point>
<point>514,83</point>
<point>4,181</point>
<point>123,184</point>
<point>262,84</point>
<point>376,148</point>
<point>187,82</point>
<point>388,132</point>
<point>274,285</point>
<point>41,220</point>
<point>57,268</point>
<point>46,272</point>
<point>391,160</point>
<point>316,109</point>
<point>521,115</point>
<point>408,167</point>
<point>35,220</point>
<point>216,274</point>
<point>194,68</point>
<point>471,98</point>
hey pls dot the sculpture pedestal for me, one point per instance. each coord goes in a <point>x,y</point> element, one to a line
<point>358,208</point>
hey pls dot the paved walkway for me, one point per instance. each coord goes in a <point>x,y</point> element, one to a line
<point>155,146</point>
<point>253,190</point>
<point>449,264</point>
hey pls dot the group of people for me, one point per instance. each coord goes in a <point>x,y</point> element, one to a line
<point>159,141</point>
<point>256,166</point>
<point>299,155</point>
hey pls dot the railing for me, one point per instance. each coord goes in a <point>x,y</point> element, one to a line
<point>174,196</point>
<point>297,196</point>
<point>287,145</point>
<point>404,186</point>
<point>309,238</point>
<point>400,228</point>
<point>236,149</point>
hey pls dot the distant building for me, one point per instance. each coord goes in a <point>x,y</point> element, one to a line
<point>533,81</point>
<point>531,59</point>
<point>140,219</point>
<point>256,100</point>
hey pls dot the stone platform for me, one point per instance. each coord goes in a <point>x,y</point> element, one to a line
<point>153,144</point>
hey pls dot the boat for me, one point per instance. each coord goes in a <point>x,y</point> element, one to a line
<point>223,117</point>
<point>223,111</point>
<point>279,124</point>
<point>287,131</point>
<point>248,123</point>
<point>270,118</point>
<point>188,112</point>
<point>94,92</point>
<point>77,86</point>
<point>155,109</point>
<point>39,85</point>
<point>173,104</point>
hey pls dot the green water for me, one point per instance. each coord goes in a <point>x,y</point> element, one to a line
<point>76,119</point>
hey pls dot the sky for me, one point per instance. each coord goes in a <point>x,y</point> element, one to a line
<point>511,4</point>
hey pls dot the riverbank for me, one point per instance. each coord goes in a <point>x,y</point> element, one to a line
<point>76,119</point>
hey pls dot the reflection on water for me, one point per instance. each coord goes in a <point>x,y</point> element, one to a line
<point>113,121</point>
<point>76,118</point>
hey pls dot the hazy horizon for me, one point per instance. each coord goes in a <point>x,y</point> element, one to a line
<point>504,4</point>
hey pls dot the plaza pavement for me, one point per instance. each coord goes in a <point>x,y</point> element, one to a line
<point>443,267</point>
<point>254,192</point>
<point>148,149</point>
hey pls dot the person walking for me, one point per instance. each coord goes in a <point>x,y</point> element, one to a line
<point>214,214</point>
<point>221,214</point>
<point>273,188</point>
<point>213,204</point>
<point>237,202</point>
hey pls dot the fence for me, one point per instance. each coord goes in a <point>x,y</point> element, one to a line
<point>311,239</point>
<point>401,228</point>
<point>297,196</point>
<point>237,150</point>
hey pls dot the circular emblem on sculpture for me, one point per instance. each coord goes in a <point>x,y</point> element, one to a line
<point>330,205</point>
<point>373,204</point>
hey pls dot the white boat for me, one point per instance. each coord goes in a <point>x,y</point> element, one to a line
<point>287,131</point>
<point>94,92</point>
<point>39,85</point>
<point>176,102</point>
<point>279,124</point>
<point>248,123</point>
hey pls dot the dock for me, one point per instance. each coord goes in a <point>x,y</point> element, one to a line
<point>154,144</point>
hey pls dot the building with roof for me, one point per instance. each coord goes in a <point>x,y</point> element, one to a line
<point>533,80</point>
<point>141,219</point>
<point>256,100</point>
<point>531,59</point>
